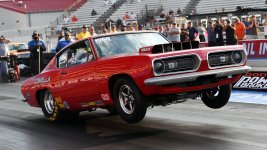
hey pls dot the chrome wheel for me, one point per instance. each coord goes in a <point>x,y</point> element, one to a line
<point>49,102</point>
<point>126,99</point>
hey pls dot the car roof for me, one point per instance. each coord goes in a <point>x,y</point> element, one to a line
<point>121,33</point>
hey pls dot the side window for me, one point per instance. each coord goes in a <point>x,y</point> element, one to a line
<point>62,60</point>
<point>76,54</point>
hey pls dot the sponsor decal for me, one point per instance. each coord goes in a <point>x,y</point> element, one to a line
<point>105,97</point>
<point>256,49</point>
<point>103,39</point>
<point>252,80</point>
<point>93,103</point>
<point>40,80</point>
<point>59,103</point>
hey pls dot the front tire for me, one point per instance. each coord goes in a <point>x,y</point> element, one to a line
<point>217,97</point>
<point>52,111</point>
<point>129,100</point>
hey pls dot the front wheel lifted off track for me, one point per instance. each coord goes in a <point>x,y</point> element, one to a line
<point>52,111</point>
<point>217,97</point>
<point>130,101</point>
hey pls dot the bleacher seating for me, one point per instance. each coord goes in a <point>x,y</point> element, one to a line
<point>84,13</point>
<point>137,7</point>
<point>174,5</point>
<point>209,6</point>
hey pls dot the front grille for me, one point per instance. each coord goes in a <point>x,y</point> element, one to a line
<point>220,59</point>
<point>176,64</point>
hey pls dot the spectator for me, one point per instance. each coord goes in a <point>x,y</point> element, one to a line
<point>174,33</point>
<point>113,29</point>
<point>253,26</point>
<point>240,29</point>
<point>131,28</point>
<point>119,23</point>
<point>61,35</point>
<point>92,31</point>
<point>166,31</point>
<point>192,31</point>
<point>108,23</point>
<point>168,19</point>
<point>36,47</point>
<point>123,28</point>
<point>74,18</point>
<point>184,33</point>
<point>93,13</point>
<point>132,16</point>
<point>65,41</point>
<point>211,34</point>
<point>3,64</point>
<point>172,17</point>
<point>162,15</point>
<point>246,23</point>
<point>104,31</point>
<point>218,32</point>
<point>66,19</point>
<point>265,26</point>
<point>230,33</point>
<point>156,28</point>
<point>179,11</point>
<point>202,31</point>
<point>126,16</point>
<point>161,30</point>
<point>141,27</point>
<point>83,34</point>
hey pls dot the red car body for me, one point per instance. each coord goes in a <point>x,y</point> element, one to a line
<point>91,85</point>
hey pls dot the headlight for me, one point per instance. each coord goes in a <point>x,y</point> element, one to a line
<point>237,57</point>
<point>158,66</point>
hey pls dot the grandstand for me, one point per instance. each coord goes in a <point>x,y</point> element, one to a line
<point>84,13</point>
<point>209,6</point>
<point>137,7</point>
<point>174,5</point>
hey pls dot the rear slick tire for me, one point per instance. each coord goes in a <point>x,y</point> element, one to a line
<point>52,110</point>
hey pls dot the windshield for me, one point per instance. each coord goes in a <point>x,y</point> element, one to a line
<point>126,43</point>
<point>17,46</point>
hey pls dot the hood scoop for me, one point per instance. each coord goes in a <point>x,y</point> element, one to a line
<point>164,48</point>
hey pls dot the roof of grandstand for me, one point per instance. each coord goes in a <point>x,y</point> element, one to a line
<point>35,6</point>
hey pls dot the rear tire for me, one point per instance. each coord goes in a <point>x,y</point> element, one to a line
<point>217,97</point>
<point>52,110</point>
<point>129,100</point>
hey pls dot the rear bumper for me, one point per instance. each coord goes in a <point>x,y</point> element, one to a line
<point>187,77</point>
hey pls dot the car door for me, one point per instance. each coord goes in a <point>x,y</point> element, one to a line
<point>77,73</point>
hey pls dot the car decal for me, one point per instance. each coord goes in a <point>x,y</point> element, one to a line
<point>59,103</point>
<point>92,103</point>
<point>40,80</point>
<point>105,97</point>
<point>104,39</point>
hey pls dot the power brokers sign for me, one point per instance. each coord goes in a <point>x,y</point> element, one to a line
<point>252,80</point>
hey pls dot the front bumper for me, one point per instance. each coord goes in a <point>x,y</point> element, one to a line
<point>187,77</point>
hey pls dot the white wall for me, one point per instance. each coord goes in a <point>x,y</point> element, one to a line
<point>12,20</point>
<point>40,19</point>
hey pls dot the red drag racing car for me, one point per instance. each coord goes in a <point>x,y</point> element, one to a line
<point>130,71</point>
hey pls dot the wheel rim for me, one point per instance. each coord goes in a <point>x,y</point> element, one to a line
<point>126,98</point>
<point>212,94</point>
<point>49,102</point>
